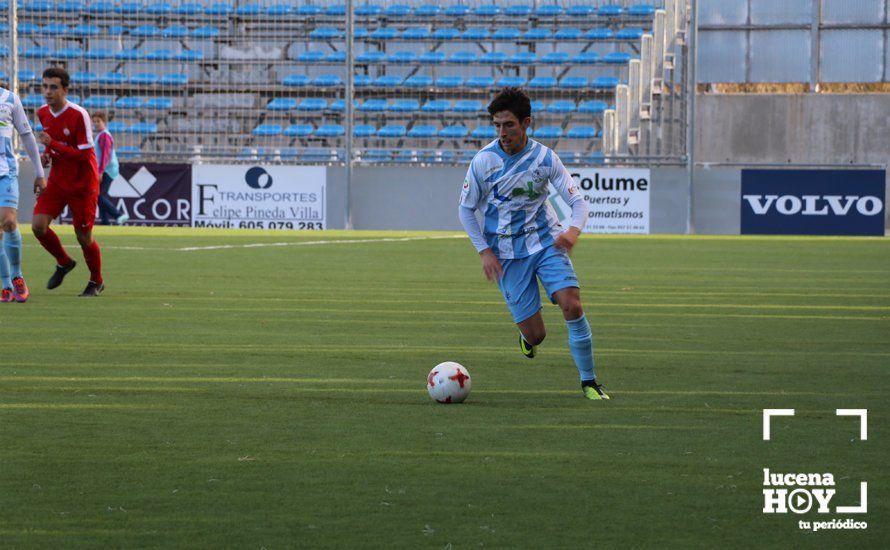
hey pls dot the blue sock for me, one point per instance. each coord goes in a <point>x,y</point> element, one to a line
<point>5,279</point>
<point>12,245</point>
<point>581,346</point>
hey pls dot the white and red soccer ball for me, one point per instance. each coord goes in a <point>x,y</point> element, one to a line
<point>449,382</point>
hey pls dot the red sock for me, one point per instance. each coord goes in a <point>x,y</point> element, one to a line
<point>53,245</point>
<point>94,261</point>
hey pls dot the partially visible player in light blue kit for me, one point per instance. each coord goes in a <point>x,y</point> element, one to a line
<point>521,240</point>
<point>12,116</point>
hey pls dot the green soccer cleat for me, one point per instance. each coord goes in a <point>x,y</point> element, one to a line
<point>593,391</point>
<point>527,349</point>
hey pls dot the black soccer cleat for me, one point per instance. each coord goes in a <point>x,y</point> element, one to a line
<point>59,275</point>
<point>527,349</point>
<point>92,289</point>
<point>593,391</point>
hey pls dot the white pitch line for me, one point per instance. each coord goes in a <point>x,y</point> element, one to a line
<point>312,243</point>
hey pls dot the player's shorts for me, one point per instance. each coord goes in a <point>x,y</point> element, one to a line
<point>9,192</point>
<point>519,285</point>
<point>81,203</point>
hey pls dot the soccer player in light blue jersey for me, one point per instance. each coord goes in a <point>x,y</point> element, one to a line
<point>521,240</point>
<point>12,117</point>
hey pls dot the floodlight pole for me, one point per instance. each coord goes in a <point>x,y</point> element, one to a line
<point>691,86</point>
<point>348,110</point>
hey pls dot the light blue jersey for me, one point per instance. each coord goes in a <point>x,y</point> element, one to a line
<point>12,116</point>
<point>513,189</point>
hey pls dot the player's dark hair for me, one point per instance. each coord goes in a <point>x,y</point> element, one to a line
<point>513,100</point>
<point>100,115</point>
<point>60,73</point>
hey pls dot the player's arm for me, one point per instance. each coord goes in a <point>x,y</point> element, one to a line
<point>81,152</point>
<point>20,121</point>
<point>565,186</point>
<point>470,197</point>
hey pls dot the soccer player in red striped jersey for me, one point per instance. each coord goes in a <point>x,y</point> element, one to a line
<point>73,180</point>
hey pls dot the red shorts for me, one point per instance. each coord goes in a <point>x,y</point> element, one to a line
<point>81,203</point>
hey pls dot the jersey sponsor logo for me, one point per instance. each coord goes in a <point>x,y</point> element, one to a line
<point>66,131</point>
<point>528,191</point>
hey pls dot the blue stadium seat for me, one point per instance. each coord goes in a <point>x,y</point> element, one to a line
<point>129,55</point>
<point>555,58</point>
<point>377,155</point>
<point>279,10</point>
<point>205,32</point>
<point>641,10</point>
<point>100,53</point>
<point>402,57</point>
<point>311,56</point>
<point>175,79</point>
<point>404,106</point>
<point>392,131</point>
<point>26,29</point>
<point>372,56</point>
<point>617,58</point>
<point>327,81</point>
<point>189,55</point>
<point>361,81</point>
<point>598,33</point>
<point>145,31</point>
<point>568,33</point>
<point>129,8</point>
<point>220,8</point>
<point>37,6</point>
<point>143,128</point>
<point>336,57</point>
<point>70,53</point>
<point>385,33</point>
<point>523,58</point>
<point>427,10</point>
<point>159,103</point>
<point>506,33</point>
<point>549,10</point>
<point>432,58</point>
<point>604,82</point>
<point>518,10</point>
<point>468,106</point>
<point>55,29</point>
<point>373,105</point>
<point>339,106</point>
<point>446,33</point>
<point>561,107</point>
<point>85,30</point>
<point>453,132</point>
<point>595,157</point>
<point>101,8</point>
<point>69,6</point>
<point>581,132</point>
<point>299,130</point>
<point>98,102</point>
<point>586,58</point>
<point>159,8</point>
<point>573,82</point>
<point>267,130</point>
<point>418,81</point>
<point>368,10</point>
<point>423,131</point>
<point>282,104</point>
<point>296,80</point>
<point>330,130</point>
<point>33,101</point>
<point>335,10</point>
<point>416,33</point>
<point>128,151</point>
<point>479,82</point>
<point>117,127</point>
<point>144,79</point>
<point>592,107</point>
<point>249,10</point>
<point>325,33</point>
<point>129,102</point>
<point>112,78</point>
<point>189,8</point>
<point>160,55</point>
<point>540,82</point>
<point>629,33</point>
<point>436,106</point>
<point>457,10</point>
<point>537,106</point>
<point>484,132</point>
<point>118,30</point>
<point>309,10</point>
<point>475,33</point>
<point>487,10</point>
<point>493,58</point>
<point>511,82</point>
<point>38,52</point>
<point>175,31</point>
<point>363,130</point>
<point>537,33</point>
<point>397,10</point>
<point>406,155</point>
<point>449,82</point>
<point>580,10</point>
<point>388,81</point>
<point>609,10</point>
<point>313,104</point>
<point>463,58</point>
<point>548,132</point>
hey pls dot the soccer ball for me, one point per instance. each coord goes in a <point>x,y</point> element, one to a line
<point>449,382</point>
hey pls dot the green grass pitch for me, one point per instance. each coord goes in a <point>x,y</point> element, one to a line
<point>274,396</point>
